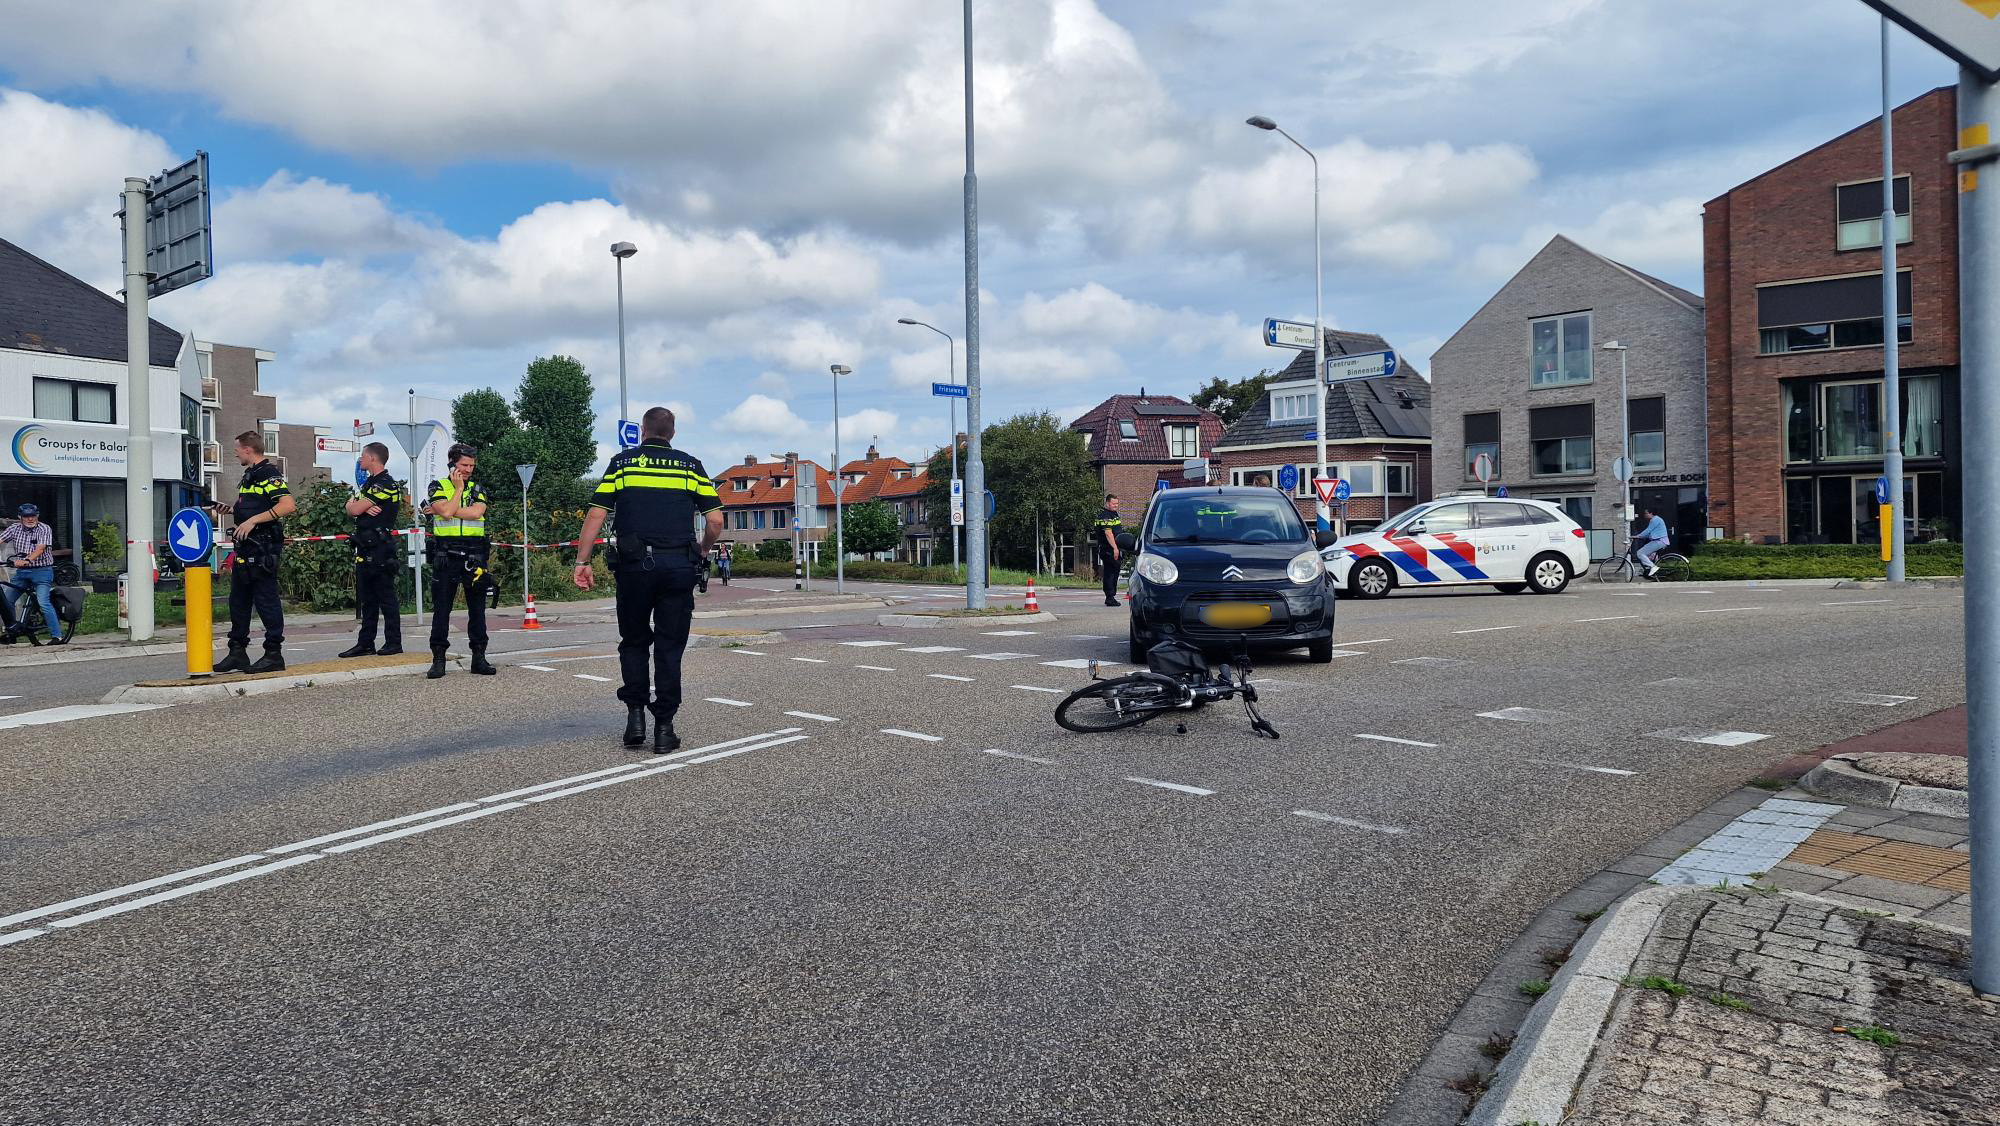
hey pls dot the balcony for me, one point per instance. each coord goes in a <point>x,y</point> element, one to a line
<point>211,390</point>
<point>211,455</point>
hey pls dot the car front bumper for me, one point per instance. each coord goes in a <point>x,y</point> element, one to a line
<point>1300,614</point>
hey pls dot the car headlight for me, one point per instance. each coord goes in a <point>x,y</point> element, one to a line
<point>1305,567</point>
<point>1335,554</point>
<point>1157,570</point>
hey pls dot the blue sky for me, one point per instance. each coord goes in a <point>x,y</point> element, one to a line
<point>421,194</point>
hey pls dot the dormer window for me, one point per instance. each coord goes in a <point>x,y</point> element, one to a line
<point>743,484</point>
<point>1128,430</point>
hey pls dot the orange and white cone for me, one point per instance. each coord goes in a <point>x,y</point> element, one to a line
<point>1031,606</point>
<point>528,618</point>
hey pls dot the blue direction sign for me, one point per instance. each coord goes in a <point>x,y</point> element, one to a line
<point>1499,490</point>
<point>1881,490</point>
<point>1342,490</point>
<point>1162,485</point>
<point>1288,478</point>
<point>1366,365</point>
<point>1287,334</point>
<point>628,432</point>
<point>191,536</point>
<point>360,474</point>
<point>989,504</point>
<point>948,390</point>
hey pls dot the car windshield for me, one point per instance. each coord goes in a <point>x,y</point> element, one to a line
<point>1396,522</point>
<point>1225,518</point>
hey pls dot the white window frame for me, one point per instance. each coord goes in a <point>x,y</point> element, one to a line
<point>1128,430</point>
<point>1403,469</point>
<point>1307,403</point>
<point>1564,379</point>
<point>1176,432</point>
<point>1870,229</point>
<point>1241,476</point>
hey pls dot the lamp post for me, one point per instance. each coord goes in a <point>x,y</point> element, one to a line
<point>1624,432</point>
<point>621,251</point>
<point>1319,324</point>
<point>975,464</point>
<point>951,368</point>
<point>839,483</point>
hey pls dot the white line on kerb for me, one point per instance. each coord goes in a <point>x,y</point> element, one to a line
<point>1612,618</point>
<point>587,676</point>
<point>1393,739</point>
<point>948,676</point>
<point>1022,757</point>
<point>911,734</point>
<point>176,893</point>
<point>1037,688</point>
<point>142,885</point>
<point>817,716</point>
<point>1195,790</point>
<point>724,700</point>
<point>1314,814</point>
<point>1484,629</point>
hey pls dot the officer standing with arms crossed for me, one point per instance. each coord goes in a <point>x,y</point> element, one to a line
<point>459,550</point>
<point>656,493</point>
<point>1105,532</point>
<point>262,499</point>
<point>374,510</point>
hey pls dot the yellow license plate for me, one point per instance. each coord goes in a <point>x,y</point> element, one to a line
<point>1236,615</point>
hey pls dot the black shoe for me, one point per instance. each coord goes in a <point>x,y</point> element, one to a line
<point>359,649</point>
<point>664,739</point>
<point>8,637</point>
<point>1111,602</point>
<point>63,640</point>
<point>635,725</point>
<point>390,650</point>
<point>238,660</point>
<point>480,667</point>
<point>437,665</point>
<point>271,661</point>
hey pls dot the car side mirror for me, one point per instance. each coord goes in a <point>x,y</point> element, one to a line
<point>1324,539</point>
<point>1127,542</point>
<point>1414,529</point>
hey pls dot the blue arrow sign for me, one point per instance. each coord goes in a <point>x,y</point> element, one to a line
<point>628,432</point>
<point>1288,477</point>
<point>191,536</point>
<point>948,390</point>
<point>989,504</point>
<point>1342,490</point>
<point>1881,490</point>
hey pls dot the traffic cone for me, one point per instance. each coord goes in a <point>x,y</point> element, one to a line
<point>1031,606</point>
<point>528,618</point>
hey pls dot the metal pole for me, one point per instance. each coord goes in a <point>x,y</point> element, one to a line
<point>951,367</point>
<point>1625,436</point>
<point>1892,376</point>
<point>524,549</point>
<point>839,519</point>
<point>1979,391</point>
<point>622,407</point>
<point>1320,387</point>
<point>416,519</point>
<point>139,419</point>
<point>975,468</point>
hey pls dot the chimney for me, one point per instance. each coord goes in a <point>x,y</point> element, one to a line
<point>872,455</point>
<point>749,459</point>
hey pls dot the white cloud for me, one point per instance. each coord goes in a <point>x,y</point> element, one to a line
<point>1663,237</point>
<point>65,168</point>
<point>287,216</point>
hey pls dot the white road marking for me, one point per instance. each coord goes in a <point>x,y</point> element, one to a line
<point>1484,629</point>
<point>1081,663</point>
<point>1879,699</point>
<point>1195,790</point>
<point>1037,688</point>
<point>603,782</point>
<point>807,660</point>
<point>1703,735</point>
<point>1428,661</point>
<point>1727,609</point>
<point>142,885</point>
<point>71,712</point>
<point>20,936</point>
<point>1629,593</point>
<point>1580,766</point>
<point>539,668</point>
<point>815,715</point>
<point>1525,715</point>
<point>867,644</point>
<point>729,702</point>
<point>948,676</point>
<point>176,893</point>
<point>1392,830</point>
<point>1370,641</point>
<point>587,676</point>
<point>9,697</point>
<point>933,649</point>
<point>741,750</point>
<point>1088,637</point>
<point>727,743</point>
<point>391,823</point>
<point>1010,633</point>
<point>1612,618</point>
<point>413,830</point>
<point>1393,739</point>
<point>1354,652</point>
<point>911,734</point>
<point>538,649</point>
<point>745,652</point>
<point>540,786</point>
<point>1856,602</point>
<point>875,668</point>
<point>1022,757</point>
<point>592,657</point>
<point>1002,656</point>
<point>815,625</point>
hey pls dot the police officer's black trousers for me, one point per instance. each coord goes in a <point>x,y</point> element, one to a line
<point>655,609</point>
<point>1107,569</point>
<point>450,577</point>
<point>375,590</point>
<point>255,588</point>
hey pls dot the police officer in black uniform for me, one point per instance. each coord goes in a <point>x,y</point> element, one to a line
<point>262,499</point>
<point>1104,533</point>
<point>458,552</point>
<point>374,510</point>
<point>656,493</point>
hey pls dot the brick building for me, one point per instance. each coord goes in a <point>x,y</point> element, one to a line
<point>1527,382</point>
<point>1378,434</point>
<point>1137,440</point>
<point>758,499</point>
<point>1792,266</point>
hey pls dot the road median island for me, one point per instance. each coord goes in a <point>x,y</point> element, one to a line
<point>932,619</point>
<point>229,686</point>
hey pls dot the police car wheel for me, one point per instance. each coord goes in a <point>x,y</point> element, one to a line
<point>1510,588</point>
<point>1371,579</point>
<point>1548,574</point>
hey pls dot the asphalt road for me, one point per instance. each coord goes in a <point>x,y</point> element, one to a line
<point>881,886</point>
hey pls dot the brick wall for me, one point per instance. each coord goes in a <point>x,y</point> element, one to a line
<point>1781,226</point>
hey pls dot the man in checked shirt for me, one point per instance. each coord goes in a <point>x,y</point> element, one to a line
<point>29,545</point>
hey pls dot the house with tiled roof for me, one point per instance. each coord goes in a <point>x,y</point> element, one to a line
<point>1138,440</point>
<point>1378,434</point>
<point>759,498</point>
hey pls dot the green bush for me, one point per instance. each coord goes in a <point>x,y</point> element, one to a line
<point>775,549</point>
<point>1734,559</point>
<point>106,553</point>
<point>868,570</point>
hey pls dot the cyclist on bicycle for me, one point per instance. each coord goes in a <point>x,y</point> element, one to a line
<point>29,545</point>
<point>1651,540</point>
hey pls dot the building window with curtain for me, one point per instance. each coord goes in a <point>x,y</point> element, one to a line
<point>1858,214</point>
<point>69,400</point>
<point>1482,436</point>
<point>1646,421</point>
<point>1560,438</point>
<point>1818,316</point>
<point>1183,441</point>
<point>1293,406</point>
<point>1559,349</point>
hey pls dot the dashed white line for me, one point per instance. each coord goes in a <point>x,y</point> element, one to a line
<point>1727,609</point>
<point>948,676</point>
<point>1002,656</point>
<point>1612,618</point>
<point>1370,641</point>
<point>592,657</point>
<point>413,830</point>
<point>867,644</point>
<point>815,715</point>
<point>142,885</point>
<point>1428,661</point>
<point>1022,757</point>
<point>1195,790</point>
<point>1392,830</point>
<point>539,668</point>
<point>1079,663</point>
<point>1703,735</point>
<point>1484,629</point>
<point>1009,633</point>
<point>1393,739</point>
<point>588,676</point>
<point>1878,699</point>
<point>745,652</point>
<point>918,735</point>
<point>933,649</point>
<point>876,668</point>
<point>1038,688</point>
<point>1856,602</point>
<point>1525,715</point>
<point>1088,637</point>
<point>1579,766</point>
<point>726,701</point>
<point>807,660</point>
<point>176,893</point>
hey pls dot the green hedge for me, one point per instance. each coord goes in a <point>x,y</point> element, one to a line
<point>868,570</point>
<point>1733,559</point>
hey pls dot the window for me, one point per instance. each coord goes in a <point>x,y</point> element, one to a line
<point>757,519</point>
<point>1128,431</point>
<point>1560,440</point>
<point>1577,508</point>
<point>1843,421</point>
<point>1560,349</point>
<point>1447,518</point>
<point>1482,436</point>
<point>1184,441</point>
<point>1294,406</point>
<point>1087,436</point>
<point>743,484</point>
<point>1647,420</point>
<point>1858,213</point>
<point>1850,420</point>
<point>1538,515</point>
<point>1361,478</point>
<point>1260,475</point>
<point>70,401</point>
<point>1396,475</point>
<point>1499,515</point>
<point>1834,313</point>
<point>271,442</point>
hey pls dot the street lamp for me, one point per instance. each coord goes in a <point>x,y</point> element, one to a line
<point>621,251</point>
<point>1319,326</point>
<point>951,367</point>
<point>1624,429</point>
<point>839,483</point>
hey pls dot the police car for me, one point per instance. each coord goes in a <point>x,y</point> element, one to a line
<point>1513,544</point>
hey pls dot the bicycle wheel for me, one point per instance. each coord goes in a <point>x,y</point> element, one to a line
<point>1617,569</point>
<point>1107,705</point>
<point>1673,568</point>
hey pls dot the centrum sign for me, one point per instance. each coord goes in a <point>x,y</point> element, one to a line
<point>39,448</point>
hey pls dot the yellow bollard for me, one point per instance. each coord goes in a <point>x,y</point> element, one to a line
<point>1888,529</point>
<point>200,622</point>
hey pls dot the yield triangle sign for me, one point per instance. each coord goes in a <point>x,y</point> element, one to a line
<point>1324,486</point>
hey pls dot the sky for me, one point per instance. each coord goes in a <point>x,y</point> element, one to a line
<point>421,194</point>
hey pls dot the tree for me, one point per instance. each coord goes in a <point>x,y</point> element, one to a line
<point>1231,401</point>
<point>481,418</point>
<point>548,427</point>
<point>870,527</point>
<point>1042,484</point>
<point>553,404</point>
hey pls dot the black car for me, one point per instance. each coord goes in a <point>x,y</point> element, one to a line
<point>1222,568</point>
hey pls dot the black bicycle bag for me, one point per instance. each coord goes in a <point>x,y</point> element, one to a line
<point>1177,659</point>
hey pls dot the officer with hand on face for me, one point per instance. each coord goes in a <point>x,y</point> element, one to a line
<point>655,493</point>
<point>262,499</point>
<point>459,551</point>
<point>375,559</point>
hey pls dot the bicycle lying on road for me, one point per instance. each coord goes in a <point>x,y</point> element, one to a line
<point>1177,678</point>
<point>1673,567</point>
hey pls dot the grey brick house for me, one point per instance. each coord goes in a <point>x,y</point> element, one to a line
<point>1528,382</point>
